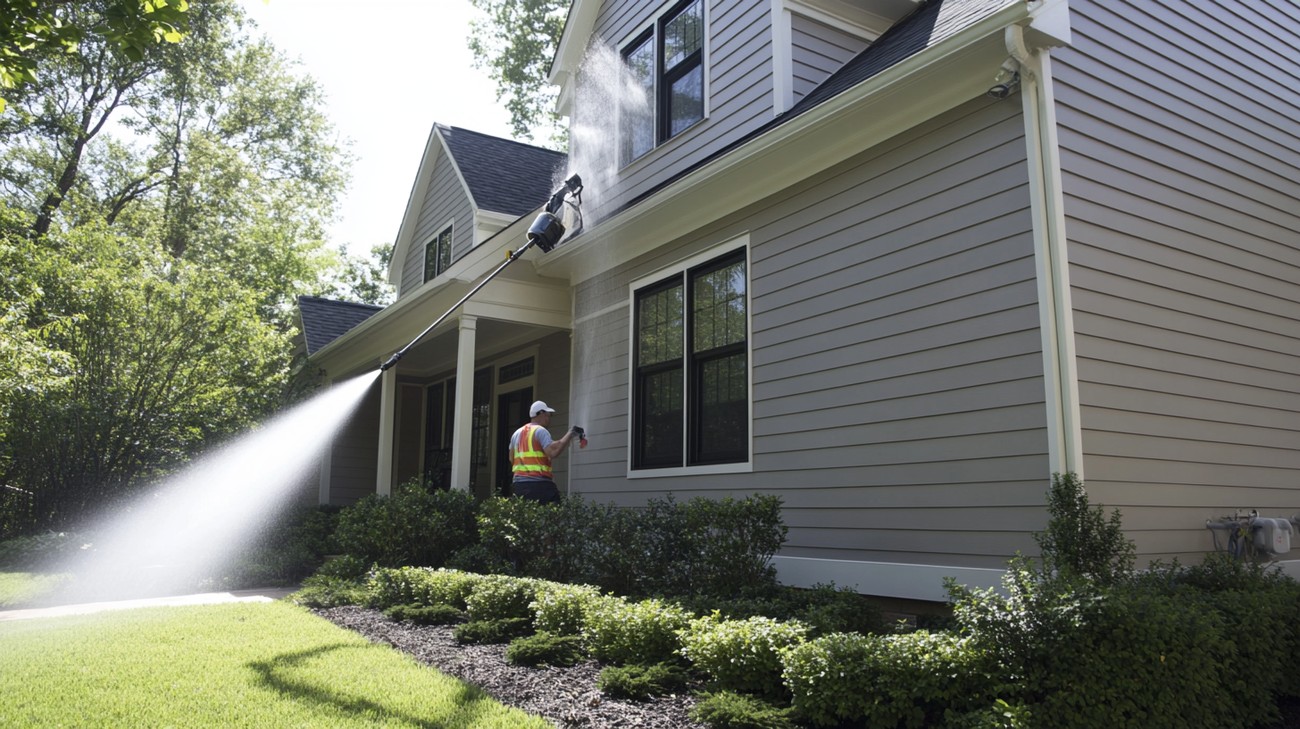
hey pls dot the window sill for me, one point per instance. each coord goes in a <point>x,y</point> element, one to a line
<point>746,467</point>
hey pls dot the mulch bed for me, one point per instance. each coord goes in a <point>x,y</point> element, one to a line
<point>567,697</point>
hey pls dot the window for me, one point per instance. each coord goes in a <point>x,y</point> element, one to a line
<point>667,63</point>
<point>437,254</point>
<point>691,367</point>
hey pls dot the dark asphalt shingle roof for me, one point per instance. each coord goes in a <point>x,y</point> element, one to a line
<point>324,320</point>
<point>926,26</point>
<point>504,176</point>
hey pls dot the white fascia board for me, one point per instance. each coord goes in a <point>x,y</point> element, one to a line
<point>884,579</point>
<point>842,16</point>
<point>956,70</point>
<point>572,47</point>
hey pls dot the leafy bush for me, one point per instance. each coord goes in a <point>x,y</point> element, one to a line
<point>830,610</point>
<point>1079,541</point>
<point>39,551</point>
<point>618,631</point>
<point>733,542</point>
<point>420,585</point>
<point>501,596</point>
<point>325,591</point>
<point>560,609</point>
<point>545,648</point>
<point>546,541</point>
<point>425,614</point>
<point>729,710</point>
<point>411,527</point>
<point>345,566</point>
<point>882,682</point>
<point>1001,715</point>
<point>741,655</point>
<point>502,630</point>
<point>638,682</point>
<point>480,559</point>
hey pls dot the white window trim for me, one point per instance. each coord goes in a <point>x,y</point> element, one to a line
<point>705,55</point>
<point>678,268</point>
<point>451,241</point>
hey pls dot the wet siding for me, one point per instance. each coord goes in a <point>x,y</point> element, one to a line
<point>354,460</point>
<point>1181,168</point>
<point>898,392</point>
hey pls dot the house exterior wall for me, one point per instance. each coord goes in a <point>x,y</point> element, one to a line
<point>738,88</point>
<point>1180,158</point>
<point>817,51</point>
<point>354,458</point>
<point>897,393</point>
<point>444,202</point>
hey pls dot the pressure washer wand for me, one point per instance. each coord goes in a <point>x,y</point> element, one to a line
<point>402,352</point>
<point>545,232</point>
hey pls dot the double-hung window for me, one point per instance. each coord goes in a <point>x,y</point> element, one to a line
<point>691,367</point>
<point>437,254</point>
<point>666,63</point>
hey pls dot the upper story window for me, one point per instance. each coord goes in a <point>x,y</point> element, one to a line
<point>691,367</point>
<point>667,63</point>
<point>437,254</point>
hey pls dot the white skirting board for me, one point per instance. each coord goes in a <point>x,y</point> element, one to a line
<point>886,579</point>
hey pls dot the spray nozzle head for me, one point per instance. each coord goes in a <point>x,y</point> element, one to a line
<point>546,231</point>
<point>390,363</point>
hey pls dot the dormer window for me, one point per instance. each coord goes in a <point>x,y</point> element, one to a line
<point>667,63</point>
<point>437,254</point>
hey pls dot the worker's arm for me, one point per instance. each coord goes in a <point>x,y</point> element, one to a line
<point>556,447</point>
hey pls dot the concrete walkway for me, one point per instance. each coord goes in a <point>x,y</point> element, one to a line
<point>207,598</point>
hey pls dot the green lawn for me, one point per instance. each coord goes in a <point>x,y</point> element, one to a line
<point>239,664</point>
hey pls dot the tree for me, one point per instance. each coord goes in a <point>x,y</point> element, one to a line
<point>516,43</point>
<point>361,279</point>
<point>30,29</point>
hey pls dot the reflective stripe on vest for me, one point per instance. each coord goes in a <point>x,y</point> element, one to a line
<point>529,460</point>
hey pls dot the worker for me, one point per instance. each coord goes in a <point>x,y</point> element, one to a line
<point>532,451</point>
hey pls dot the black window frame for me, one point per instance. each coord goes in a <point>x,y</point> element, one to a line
<point>440,261</point>
<point>664,78</point>
<point>690,366</point>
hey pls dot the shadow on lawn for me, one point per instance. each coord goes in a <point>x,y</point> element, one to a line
<point>277,675</point>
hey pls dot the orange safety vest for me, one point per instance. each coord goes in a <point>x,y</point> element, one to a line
<point>530,461</point>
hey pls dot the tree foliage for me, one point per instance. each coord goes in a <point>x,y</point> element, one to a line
<point>161,208</point>
<point>32,29</point>
<point>516,43</point>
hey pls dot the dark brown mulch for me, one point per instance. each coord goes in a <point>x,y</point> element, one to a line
<point>567,697</point>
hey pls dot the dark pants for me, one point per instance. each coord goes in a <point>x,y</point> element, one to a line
<point>544,492</point>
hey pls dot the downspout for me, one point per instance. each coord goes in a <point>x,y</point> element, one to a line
<point>1051,256</point>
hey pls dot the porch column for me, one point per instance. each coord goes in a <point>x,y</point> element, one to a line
<point>464,420</point>
<point>387,401</point>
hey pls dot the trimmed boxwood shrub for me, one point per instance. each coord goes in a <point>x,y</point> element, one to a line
<point>883,682</point>
<point>560,609</point>
<point>412,526</point>
<point>646,632</point>
<point>419,585</point>
<point>741,655</point>
<point>501,596</point>
<point>638,682</point>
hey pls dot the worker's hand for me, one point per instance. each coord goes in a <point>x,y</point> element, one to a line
<point>577,431</point>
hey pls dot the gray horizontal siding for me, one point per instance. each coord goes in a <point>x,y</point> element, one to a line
<point>1181,170</point>
<point>895,350</point>
<point>445,201</point>
<point>354,459</point>
<point>738,81</point>
<point>818,51</point>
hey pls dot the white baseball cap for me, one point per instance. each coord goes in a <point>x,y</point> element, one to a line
<point>538,407</point>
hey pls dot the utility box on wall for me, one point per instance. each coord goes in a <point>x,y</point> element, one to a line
<point>1272,535</point>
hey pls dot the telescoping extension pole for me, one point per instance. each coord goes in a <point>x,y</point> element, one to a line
<point>545,232</point>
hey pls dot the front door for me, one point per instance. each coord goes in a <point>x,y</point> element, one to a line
<point>512,412</point>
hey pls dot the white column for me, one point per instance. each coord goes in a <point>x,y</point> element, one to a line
<point>387,402</point>
<point>464,420</point>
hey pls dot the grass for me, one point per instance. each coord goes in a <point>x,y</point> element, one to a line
<point>236,664</point>
<point>21,588</point>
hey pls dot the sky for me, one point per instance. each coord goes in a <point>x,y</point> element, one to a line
<point>388,73</point>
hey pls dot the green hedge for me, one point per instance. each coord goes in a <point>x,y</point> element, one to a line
<point>411,527</point>
<point>646,632</point>
<point>741,655</point>
<point>391,586</point>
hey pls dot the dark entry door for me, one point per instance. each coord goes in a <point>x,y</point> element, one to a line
<point>512,412</point>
